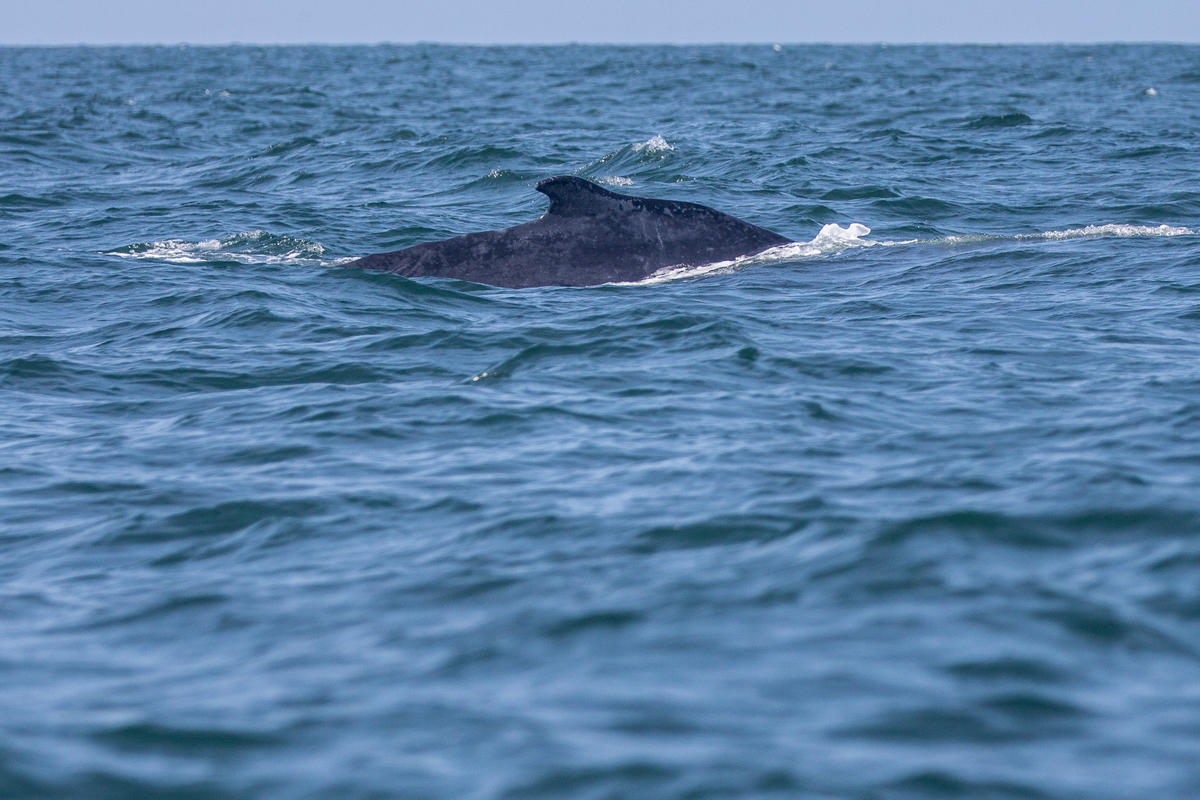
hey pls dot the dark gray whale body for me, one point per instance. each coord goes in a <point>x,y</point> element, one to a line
<point>588,236</point>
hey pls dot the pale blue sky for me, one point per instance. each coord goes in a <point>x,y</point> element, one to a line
<point>477,21</point>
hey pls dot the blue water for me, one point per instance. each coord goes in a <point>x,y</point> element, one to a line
<point>906,513</point>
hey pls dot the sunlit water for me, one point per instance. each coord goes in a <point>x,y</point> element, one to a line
<point>907,509</point>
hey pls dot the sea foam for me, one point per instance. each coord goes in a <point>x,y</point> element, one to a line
<point>250,247</point>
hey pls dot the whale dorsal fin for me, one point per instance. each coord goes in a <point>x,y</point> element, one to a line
<point>570,196</point>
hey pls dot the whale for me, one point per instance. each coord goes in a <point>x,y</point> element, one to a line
<point>588,236</point>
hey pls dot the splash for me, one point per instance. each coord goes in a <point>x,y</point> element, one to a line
<point>251,247</point>
<point>832,239</point>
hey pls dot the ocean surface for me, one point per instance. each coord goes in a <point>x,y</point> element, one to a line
<point>908,509</point>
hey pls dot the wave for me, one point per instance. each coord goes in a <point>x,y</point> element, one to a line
<point>633,159</point>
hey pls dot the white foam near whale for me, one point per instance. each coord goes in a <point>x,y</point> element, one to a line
<point>249,247</point>
<point>834,239</point>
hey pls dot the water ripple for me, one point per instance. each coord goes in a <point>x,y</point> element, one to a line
<point>902,509</point>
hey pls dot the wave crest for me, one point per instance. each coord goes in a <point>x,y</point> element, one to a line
<point>655,144</point>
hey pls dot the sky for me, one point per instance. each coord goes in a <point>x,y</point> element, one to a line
<point>550,21</point>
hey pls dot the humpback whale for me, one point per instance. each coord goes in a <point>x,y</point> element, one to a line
<point>588,236</point>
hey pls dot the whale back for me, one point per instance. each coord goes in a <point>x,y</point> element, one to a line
<point>589,235</point>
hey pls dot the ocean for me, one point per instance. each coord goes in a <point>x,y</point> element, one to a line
<point>908,509</point>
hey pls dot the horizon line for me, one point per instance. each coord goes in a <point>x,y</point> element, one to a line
<point>579,43</point>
